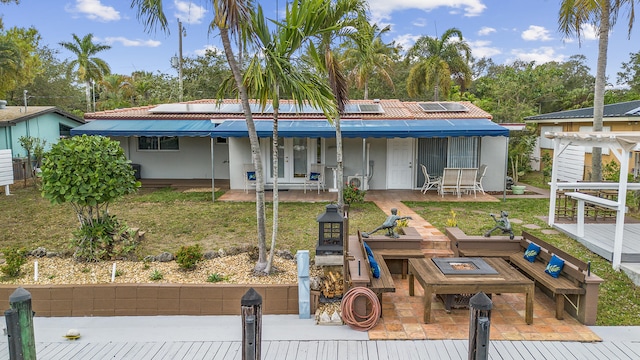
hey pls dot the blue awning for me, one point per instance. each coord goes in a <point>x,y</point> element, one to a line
<point>146,128</point>
<point>366,128</point>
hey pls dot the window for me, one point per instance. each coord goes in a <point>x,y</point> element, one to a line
<point>158,143</point>
<point>65,131</point>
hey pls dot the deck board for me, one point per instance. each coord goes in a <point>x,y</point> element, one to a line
<point>599,238</point>
<point>334,349</point>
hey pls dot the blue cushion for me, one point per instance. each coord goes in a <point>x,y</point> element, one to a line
<point>375,269</point>
<point>554,267</point>
<point>367,249</point>
<point>314,176</point>
<point>251,175</point>
<point>532,251</point>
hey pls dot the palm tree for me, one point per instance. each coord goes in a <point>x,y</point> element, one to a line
<point>437,61</point>
<point>231,18</point>
<point>338,17</point>
<point>272,70</point>
<point>89,68</point>
<point>574,14</point>
<point>366,55</point>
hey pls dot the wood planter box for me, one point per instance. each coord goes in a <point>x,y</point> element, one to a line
<point>152,299</point>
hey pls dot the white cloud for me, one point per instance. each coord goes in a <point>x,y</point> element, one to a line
<point>589,32</point>
<point>535,32</point>
<point>131,43</point>
<point>189,12</point>
<point>540,55</point>
<point>406,41</point>
<point>94,10</point>
<point>482,48</point>
<point>203,51</point>
<point>419,22</point>
<point>485,30</point>
<point>382,9</point>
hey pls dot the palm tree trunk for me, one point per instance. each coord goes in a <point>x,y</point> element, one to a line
<point>255,149</point>
<point>276,202</point>
<point>598,96</point>
<point>366,90</point>
<point>87,94</point>
<point>339,164</point>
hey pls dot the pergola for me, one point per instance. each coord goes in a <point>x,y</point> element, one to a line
<point>621,145</point>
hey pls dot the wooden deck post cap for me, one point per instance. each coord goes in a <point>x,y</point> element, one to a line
<point>480,301</point>
<point>251,298</point>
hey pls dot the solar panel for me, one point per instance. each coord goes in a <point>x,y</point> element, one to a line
<point>183,109</point>
<point>442,107</point>
<point>371,108</point>
<point>352,109</point>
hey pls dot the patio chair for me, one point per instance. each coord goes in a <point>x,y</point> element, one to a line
<point>482,170</point>
<point>315,177</point>
<point>467,181</point>
<point>429,180</point>
<point>249,176</point>
<point>449,181</point>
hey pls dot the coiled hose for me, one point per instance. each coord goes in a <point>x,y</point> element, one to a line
<point>360,322</point>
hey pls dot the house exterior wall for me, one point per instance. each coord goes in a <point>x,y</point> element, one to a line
<point>45,127</point>
<point>613,126</point>
<point>239,154</point>
<point>493,153</point>
<point>191,161</point>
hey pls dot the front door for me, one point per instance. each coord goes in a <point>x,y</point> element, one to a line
<point>292,160</point>
<point>400,163</point>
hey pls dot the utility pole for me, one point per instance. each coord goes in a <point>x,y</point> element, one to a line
<point>181,33</point>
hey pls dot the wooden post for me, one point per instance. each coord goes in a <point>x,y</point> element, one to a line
<point>13,334</point>
<point>20,301</point>
<point>480,321</point>
<point>251,304</point>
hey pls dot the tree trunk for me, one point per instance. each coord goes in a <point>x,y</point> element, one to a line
<point>255,149</point>
<point>276,203</point>
<point>366,89</point>
<point>339,164</point>
<point>87,94</point>
<point>598,96</point>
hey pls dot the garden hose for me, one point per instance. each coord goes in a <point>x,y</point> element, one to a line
<point>360,322</point>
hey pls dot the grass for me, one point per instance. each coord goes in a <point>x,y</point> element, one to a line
<point>172,219</point>
<point>619,301</point>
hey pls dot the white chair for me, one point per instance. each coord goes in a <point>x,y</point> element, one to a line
<point>249,176</point>
<point>450,181</point>
<point>315,177</point>
<point>467,181</point>
<point>482,170</point>
<point>429,181</point>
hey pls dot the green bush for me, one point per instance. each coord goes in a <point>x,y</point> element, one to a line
<point>214,278</point>
<point>156,275</point>
<point>103,239</point>
<point>189,256</point>
<point>15,257</point>
<point>351,194</point>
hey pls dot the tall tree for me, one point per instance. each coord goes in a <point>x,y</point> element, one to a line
<point>602,14</point>
<point>630,74</point>
<point>272,71</point>
<point>339,17</point>
<point>232,19</point>
<point>87,66</point>
<point>438,61</point>
<point>19,59</point>
<point>367,55</point>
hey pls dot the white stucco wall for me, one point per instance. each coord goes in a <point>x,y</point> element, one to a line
<point>239,154</point>
<point>191,161</point>
<point>494,154</point>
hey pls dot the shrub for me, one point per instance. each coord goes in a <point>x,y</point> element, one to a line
<point>351,194</point>
<point>189,256</point>
<point>15,257</point>
<point>452,221</point>
<point>103,239</point>
<point>214,278</point>
<point>156,275</point>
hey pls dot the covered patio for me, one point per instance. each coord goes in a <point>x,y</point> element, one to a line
<point>617,243</point>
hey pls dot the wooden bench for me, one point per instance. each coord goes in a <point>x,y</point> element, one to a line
<point>583,198</point>
<point>576,283</point>
<point>358,271</point>
<point>464,245</point>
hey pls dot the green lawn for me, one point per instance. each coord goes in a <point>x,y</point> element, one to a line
<point>172,218</point>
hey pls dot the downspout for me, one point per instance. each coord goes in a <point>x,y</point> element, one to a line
<point>213,188</point>
<point>364,163</point>
<point>506,168</point>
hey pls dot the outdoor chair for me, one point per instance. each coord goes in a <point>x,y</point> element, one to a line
<point>315,177</point>
<point>450,180</point>
<point>482,170</point>
<point>467,182</point>
<point>249,176</point>
<point>429,181</point>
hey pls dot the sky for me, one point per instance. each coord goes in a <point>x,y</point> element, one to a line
<point>504,30</point>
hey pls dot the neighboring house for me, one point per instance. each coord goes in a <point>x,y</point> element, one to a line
<point>384,139</point>
<point>620,117</point>
<point>44,122</point>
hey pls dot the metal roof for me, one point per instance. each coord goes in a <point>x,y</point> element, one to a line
<point>146,128</point>
<point>623,109</point>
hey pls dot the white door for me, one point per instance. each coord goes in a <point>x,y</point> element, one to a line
<point>400,163</point>
<point>292,160</point>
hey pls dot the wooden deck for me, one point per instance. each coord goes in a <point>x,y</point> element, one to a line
<point>599,239</point>
<point>336,349</point>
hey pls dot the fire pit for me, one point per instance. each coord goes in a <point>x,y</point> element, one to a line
<point>464,266</point>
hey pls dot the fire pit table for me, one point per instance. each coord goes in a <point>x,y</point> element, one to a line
<point>468,276</point>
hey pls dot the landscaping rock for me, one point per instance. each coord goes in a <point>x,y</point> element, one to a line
<point>39,252</point>
<point>211,255</point>
<point>285,254</point>
<point>165,257</point>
